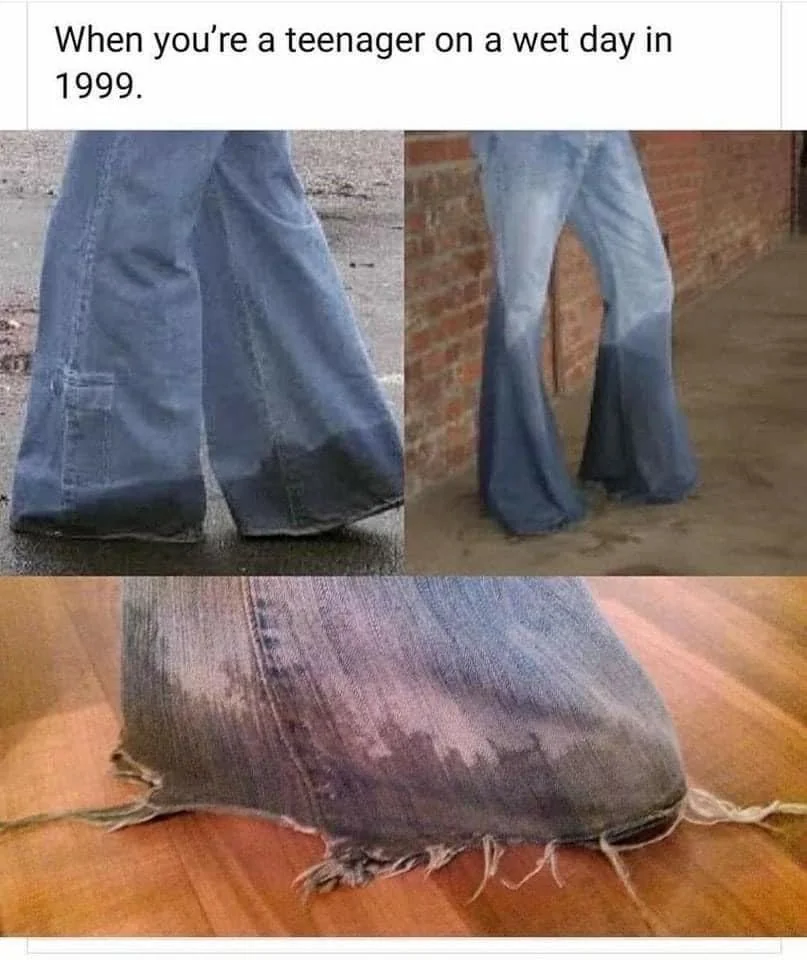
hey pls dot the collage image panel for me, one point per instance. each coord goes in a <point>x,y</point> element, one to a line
<point>201,366</point>
<point>561,690</point>
<point>403,756</point>
<point>606,336</point>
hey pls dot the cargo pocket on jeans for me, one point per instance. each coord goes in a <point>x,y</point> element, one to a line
<point>88,431</point>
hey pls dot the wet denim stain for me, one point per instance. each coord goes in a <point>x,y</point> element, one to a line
<point>188,289</point>
<point>330,704</point>
<point>533,184</point>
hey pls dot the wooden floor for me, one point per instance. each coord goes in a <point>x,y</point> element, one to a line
<point>730,657</point>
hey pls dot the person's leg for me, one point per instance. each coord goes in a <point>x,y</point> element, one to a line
<point>111,442</point>
<point>529,180</point>
<point>300,435</point>
<point>637,444</point>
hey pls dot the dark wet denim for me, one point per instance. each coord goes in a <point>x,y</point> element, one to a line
<point>396,714</point>
<point>187,285</point>
<point>637,445</point>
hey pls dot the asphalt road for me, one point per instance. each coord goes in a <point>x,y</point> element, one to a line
<point>355,181</point>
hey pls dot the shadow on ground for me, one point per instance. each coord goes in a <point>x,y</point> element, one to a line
<point>369,548</point>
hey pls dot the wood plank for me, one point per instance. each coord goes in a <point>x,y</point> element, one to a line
<point>729,656</point>
<point>76,879</point>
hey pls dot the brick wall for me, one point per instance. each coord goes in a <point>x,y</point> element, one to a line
<point>723,199</point>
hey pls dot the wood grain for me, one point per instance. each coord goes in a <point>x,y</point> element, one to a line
<point>729,656</point>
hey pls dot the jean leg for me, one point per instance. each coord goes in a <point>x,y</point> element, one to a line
<point>111,441</point>
<point>637,444</point>
<point>528,181</point>
<point>300,435</point>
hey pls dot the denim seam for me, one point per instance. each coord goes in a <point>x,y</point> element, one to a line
<point>289,484</point>
<point>601,267</point>
<point>79,313</point>
<point>487,170</point>
<point>88,253</point>
<point>249,597</point>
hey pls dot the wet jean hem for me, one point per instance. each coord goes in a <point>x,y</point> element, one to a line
<point>321,526</point>
<point>564,522</point>
<point>638,498</point>
<point>54,531</point>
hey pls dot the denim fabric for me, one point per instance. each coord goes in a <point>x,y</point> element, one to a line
<point>187,285</point>
<point>403,720</point>
<point>395,715</point>
<point>637,445</point>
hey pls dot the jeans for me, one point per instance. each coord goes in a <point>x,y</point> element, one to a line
<point>188,286</point>
<point>405,712</point>
<point>637,445</point>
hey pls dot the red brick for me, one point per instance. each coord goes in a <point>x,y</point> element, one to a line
<point>722,199</point>
<point>435,149</point>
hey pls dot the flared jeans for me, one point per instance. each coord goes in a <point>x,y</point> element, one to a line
<point>637,445</point>
<point>188,287</point>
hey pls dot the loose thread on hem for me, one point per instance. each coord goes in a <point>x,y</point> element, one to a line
<point>705,809</point>
<point>612,855</point>
<point>547,857</point>
<point>553,866</point>
<point>115,818</point>
<point>493,853</point>
<point>350,866</point>
<point>698,807</point>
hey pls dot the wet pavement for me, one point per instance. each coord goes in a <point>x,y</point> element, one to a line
<point>355,181</point>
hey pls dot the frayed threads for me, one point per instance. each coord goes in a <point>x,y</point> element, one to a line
<point>358,868</point>
<point>439,856</point>
<point>492,853</point>
<point>355,868</point>
<point>550,857</point>
<point>127,768</point>
<point>345,865</point>
<point>705,809</point>
<point>113,818</point>
<point>612,855</point>
<point>702,809</point>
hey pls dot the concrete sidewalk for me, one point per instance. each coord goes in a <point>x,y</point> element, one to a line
<point>355,181</point>
<point>741,361</point>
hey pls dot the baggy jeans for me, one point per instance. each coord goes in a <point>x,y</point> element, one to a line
<point>187,285</point>
<point>637,445</point>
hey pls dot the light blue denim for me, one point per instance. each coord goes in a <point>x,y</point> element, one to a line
<point>637,444</point>
<point>187,285</point>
